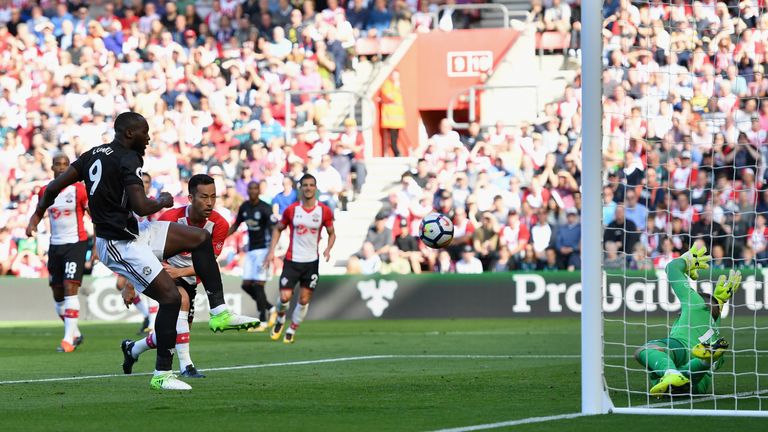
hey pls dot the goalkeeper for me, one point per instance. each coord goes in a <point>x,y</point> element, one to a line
<point>683,362</point>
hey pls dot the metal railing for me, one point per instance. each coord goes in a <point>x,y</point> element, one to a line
<point>472,6</point>
<point>473,98</point>
<point>350,112</point>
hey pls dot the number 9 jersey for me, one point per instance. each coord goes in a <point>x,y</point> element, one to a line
<point>106,171</point>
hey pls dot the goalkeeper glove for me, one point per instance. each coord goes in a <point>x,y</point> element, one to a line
<point>726,287</point>
<point>695,260</point>
<point>710,352</point>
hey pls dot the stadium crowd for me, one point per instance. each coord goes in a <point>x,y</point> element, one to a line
<point>209,75</point>
<point>685,154</point>
<point>684,118</point>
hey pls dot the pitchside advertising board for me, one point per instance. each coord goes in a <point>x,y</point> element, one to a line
<point>514,295</point>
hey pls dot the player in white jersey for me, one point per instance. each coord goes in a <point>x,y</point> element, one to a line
<point>305,219</point>
<point>66,254</point>
<point>199,213</point>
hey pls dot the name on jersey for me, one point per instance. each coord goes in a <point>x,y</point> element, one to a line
<point>105,150</point>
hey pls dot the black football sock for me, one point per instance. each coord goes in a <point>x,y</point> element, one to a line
<point>250,289</point>
<point>165,333</point>
<point>261,300</point>
<point>207,269</point>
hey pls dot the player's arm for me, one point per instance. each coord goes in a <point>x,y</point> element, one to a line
<point>279,227</point>
<point>329,228</point>
<point>238,220</point>
<point>143,205</point>
<point>54,188</point>
<point>331,240</point>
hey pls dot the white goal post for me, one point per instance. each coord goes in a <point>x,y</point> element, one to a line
<point>595,395</point>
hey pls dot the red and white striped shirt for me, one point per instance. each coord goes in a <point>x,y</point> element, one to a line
<point>305,225</point>
<point>216,224</point>
<point>67,214</point>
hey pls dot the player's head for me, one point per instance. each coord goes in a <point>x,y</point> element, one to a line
<point>253,190</point>
<point>308,186</point>
<point>132,130</point>
<point>59,164</point>
<point>202,194</point>
<point>714,306</point>
<point>146,180</point>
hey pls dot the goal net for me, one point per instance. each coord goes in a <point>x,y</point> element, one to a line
<point>684,160</point>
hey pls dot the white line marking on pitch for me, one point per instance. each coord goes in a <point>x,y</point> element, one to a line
<point>698,399</point>
<point>307,362</point>
<point>528,420</point>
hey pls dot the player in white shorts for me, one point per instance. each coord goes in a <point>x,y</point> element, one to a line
<point>257,216</point>
<point>199,213</point>
<point>112,175</point>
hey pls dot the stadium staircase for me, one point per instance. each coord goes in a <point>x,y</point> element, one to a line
<point>494,18</point>
<point>352,224</point>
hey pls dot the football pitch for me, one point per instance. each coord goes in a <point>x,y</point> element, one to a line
<point>398,375</point>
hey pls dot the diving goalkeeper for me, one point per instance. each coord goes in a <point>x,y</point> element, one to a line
<point>683,362</point>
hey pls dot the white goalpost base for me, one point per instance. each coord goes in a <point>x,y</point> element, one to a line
<point>595,397</point>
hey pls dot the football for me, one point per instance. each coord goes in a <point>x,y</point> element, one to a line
<point>436,230</point>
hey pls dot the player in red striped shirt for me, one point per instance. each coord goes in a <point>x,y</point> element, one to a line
<point>66,254</point>
<point>305,219</point>
<point>199,213</point>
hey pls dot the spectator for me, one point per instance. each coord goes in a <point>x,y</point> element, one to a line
<point>408,246</point>
<point>469,264</point>
<point>444,263</point>
<point>379,21</point>
<point>614,258</point>
<point>396,263</point>
<point>569,238</point>
<point>379,235</point>
<point>622,232</point>
<point>370,262</point>
<point>485,241</point>
<point>329,183</point>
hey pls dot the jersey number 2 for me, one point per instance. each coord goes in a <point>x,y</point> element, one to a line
<point>95,174</point>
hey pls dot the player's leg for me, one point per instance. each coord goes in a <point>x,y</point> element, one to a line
<point>138,303</point>
<point>177,238</point>
<point>186,366</point>
<point>74,265</point>
<point>700,373</point>
<point>659,356</point>
<point>136,261</point>
<point>56,282</point>
<point>250,269</point>
<point>288,280</point>
<point>299,313</point>
<point>308,282</point>
<point>56,279</point>
<point>267,312</point>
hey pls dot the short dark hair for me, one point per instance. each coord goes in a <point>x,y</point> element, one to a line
<point>144,174</point>
<point>197,180</point>
<point>127,120</point>
<point>307,177</point>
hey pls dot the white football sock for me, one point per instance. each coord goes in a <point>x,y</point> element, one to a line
<point>145,344</point>
<point>141,306</point>
<point>182,340</point>
<point>60,309</point>
<point>282,308</point>
<point>219,309</point>
<point>299,312</point>
<point>71,315</point>
<point>153,308</point>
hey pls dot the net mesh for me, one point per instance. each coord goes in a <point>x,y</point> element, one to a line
<point>684,122</point>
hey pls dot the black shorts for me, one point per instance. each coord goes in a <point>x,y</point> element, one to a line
<point>305,274</point>
<point>66,263</point>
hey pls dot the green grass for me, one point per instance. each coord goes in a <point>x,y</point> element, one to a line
<point>435,374</point>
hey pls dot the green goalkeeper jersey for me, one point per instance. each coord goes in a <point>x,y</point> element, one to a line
<point>695,323</point>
